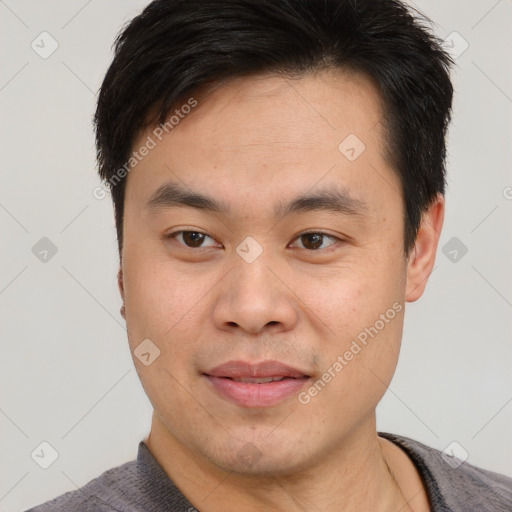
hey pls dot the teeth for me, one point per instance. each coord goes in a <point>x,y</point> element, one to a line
<point>253,380</point>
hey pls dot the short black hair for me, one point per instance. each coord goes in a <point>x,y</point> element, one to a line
<point>176,47</point>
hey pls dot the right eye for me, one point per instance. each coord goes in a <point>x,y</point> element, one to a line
<point>190,239</point>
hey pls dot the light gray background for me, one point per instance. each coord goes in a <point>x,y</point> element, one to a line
<point>67,376</point>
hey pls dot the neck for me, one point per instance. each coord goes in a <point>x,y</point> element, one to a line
<point>355,476</point>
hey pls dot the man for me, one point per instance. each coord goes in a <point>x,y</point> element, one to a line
<point>277,169</point>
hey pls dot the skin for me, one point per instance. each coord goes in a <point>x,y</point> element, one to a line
<point>252,142</point>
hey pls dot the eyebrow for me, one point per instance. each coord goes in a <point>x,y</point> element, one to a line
<point>171,195</point>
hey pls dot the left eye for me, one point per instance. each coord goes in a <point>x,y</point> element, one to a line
<point>314,240</point>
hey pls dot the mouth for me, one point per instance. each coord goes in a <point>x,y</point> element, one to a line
<point>263,384</point>
<point>256,380</point>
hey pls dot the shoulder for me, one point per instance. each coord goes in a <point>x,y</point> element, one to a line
<point>140,485</point>
<point>454,484</point>
<point>111,491</point>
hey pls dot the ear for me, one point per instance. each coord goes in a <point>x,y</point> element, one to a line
<point>120,284</point>
<point>423,254</point>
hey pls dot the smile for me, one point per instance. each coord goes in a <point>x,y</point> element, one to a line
<point>263,384</point>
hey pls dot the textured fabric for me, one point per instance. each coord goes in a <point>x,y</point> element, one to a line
<point>142,486</point>
<point>466,488</point>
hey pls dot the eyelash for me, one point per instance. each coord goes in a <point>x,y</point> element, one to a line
<point>202,249</point>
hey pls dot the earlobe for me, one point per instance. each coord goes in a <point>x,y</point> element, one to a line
<point>423,254</point>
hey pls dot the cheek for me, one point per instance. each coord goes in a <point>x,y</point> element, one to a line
<point>351,296</point>
<point>362,306</point>
<point>358,367</point>
<point>159,297</point>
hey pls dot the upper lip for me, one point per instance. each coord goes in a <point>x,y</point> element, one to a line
<point>241,369</point>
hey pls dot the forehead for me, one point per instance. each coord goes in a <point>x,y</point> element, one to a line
<point>317,108</point>
<point>256,137</point>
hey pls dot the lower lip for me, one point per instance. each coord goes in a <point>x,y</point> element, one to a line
<point>248,394</point>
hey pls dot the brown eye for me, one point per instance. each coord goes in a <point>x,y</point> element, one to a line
<point>313,241</point>
<point>190,239</point>
<point>193,238</point>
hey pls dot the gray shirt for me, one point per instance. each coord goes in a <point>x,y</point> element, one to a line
<point>143,486</point>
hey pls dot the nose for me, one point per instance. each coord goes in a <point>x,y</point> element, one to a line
<point>255,297</point>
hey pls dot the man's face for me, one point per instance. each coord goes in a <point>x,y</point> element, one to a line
<point>244,287</point>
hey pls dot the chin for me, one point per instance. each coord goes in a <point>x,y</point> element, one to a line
<point>264,464</point>
<point>255,455</point>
